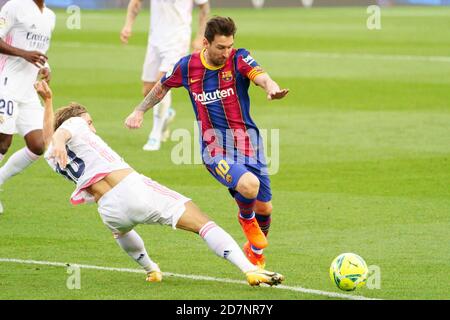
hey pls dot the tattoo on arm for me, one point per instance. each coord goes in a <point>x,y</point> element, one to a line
<point>155,96</point>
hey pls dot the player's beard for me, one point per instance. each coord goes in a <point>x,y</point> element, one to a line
<point>215,61</point>
<point>219,61</point>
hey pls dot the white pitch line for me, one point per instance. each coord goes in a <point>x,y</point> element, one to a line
<point>186,276</point>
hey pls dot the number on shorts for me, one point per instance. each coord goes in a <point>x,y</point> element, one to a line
<point>222,168</point>
<point>75,169</point>
<point>8,105</point>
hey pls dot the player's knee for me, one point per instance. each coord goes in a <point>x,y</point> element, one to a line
<point>264,209</point>
<point>4,146</point>
<point>35,142</point>
<point>37,147</point>
<point>248,186</point>
<point>193,219</point>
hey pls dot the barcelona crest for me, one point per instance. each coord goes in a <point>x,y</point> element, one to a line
<point>227,76</point>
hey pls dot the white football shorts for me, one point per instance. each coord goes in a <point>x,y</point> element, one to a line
<point>159,60</point>
<point>18,117</point>
<point>138,199</point>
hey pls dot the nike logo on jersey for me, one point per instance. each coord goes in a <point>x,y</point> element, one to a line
<point>195,80</point>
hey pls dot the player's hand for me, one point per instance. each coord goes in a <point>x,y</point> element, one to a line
<point>35,57</point>
<point>276,95</point>
<point>134,120</point>
<point>59,153</point>
<point>125,34</point>
<point>45,74</point>
<point>43,90</point>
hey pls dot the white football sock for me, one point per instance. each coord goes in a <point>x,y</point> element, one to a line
<point>219,241</point>
<point>133,244</point>
<point>16,163</point>
<point>160,116</point>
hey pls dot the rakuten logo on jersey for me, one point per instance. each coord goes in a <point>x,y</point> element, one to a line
<point>210,97</point>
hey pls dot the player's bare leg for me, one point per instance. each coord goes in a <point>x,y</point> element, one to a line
<point>21,159</point>
<point>35,142</point>
<point>224,245</point>
<point>248,188</point>
<point>162,116</point>
<point>5,143</point>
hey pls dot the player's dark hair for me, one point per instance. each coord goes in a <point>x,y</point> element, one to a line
<point>72,110</point>
<point>222,26</point>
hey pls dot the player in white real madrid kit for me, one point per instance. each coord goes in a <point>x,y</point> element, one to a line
<point>126,198</point>
<point>169,39</point>
<point>25,32</point>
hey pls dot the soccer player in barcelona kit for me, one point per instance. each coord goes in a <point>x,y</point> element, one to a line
<point>126,198</point>
<point>169,39</point>
<point>25,31</point>
<point>217,79</point>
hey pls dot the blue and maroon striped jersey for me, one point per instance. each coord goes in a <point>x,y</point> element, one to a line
<point>221,103</point>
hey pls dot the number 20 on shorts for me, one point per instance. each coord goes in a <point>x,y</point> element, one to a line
<point>6,107</point>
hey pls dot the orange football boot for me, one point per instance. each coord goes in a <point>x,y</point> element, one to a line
<point>253,232</point>
<point>256,259</point>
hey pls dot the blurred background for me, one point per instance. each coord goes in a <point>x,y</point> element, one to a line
<point>98,4</point>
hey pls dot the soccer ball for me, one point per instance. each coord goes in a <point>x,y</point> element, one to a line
<point>348,271</point>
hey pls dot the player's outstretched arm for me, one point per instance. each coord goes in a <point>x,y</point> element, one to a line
<point>35,57</point>
<point>271,87</point>
<point>135,119</point>
<point>61,136</point>
<point>46,94</point>
<point>203,16</point>
<point>133,10</point>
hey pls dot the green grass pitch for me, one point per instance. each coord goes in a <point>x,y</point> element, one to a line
<point>364,160</point>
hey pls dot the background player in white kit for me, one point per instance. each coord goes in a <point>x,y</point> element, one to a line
<point>25,32</point>
<point>169,39</point>
<point>126,198</point>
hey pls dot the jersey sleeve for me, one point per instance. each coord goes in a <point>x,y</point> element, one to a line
<point>75,126</point>
<point>7,19</point>
<point>246,65</point>
<point>174,78</point>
